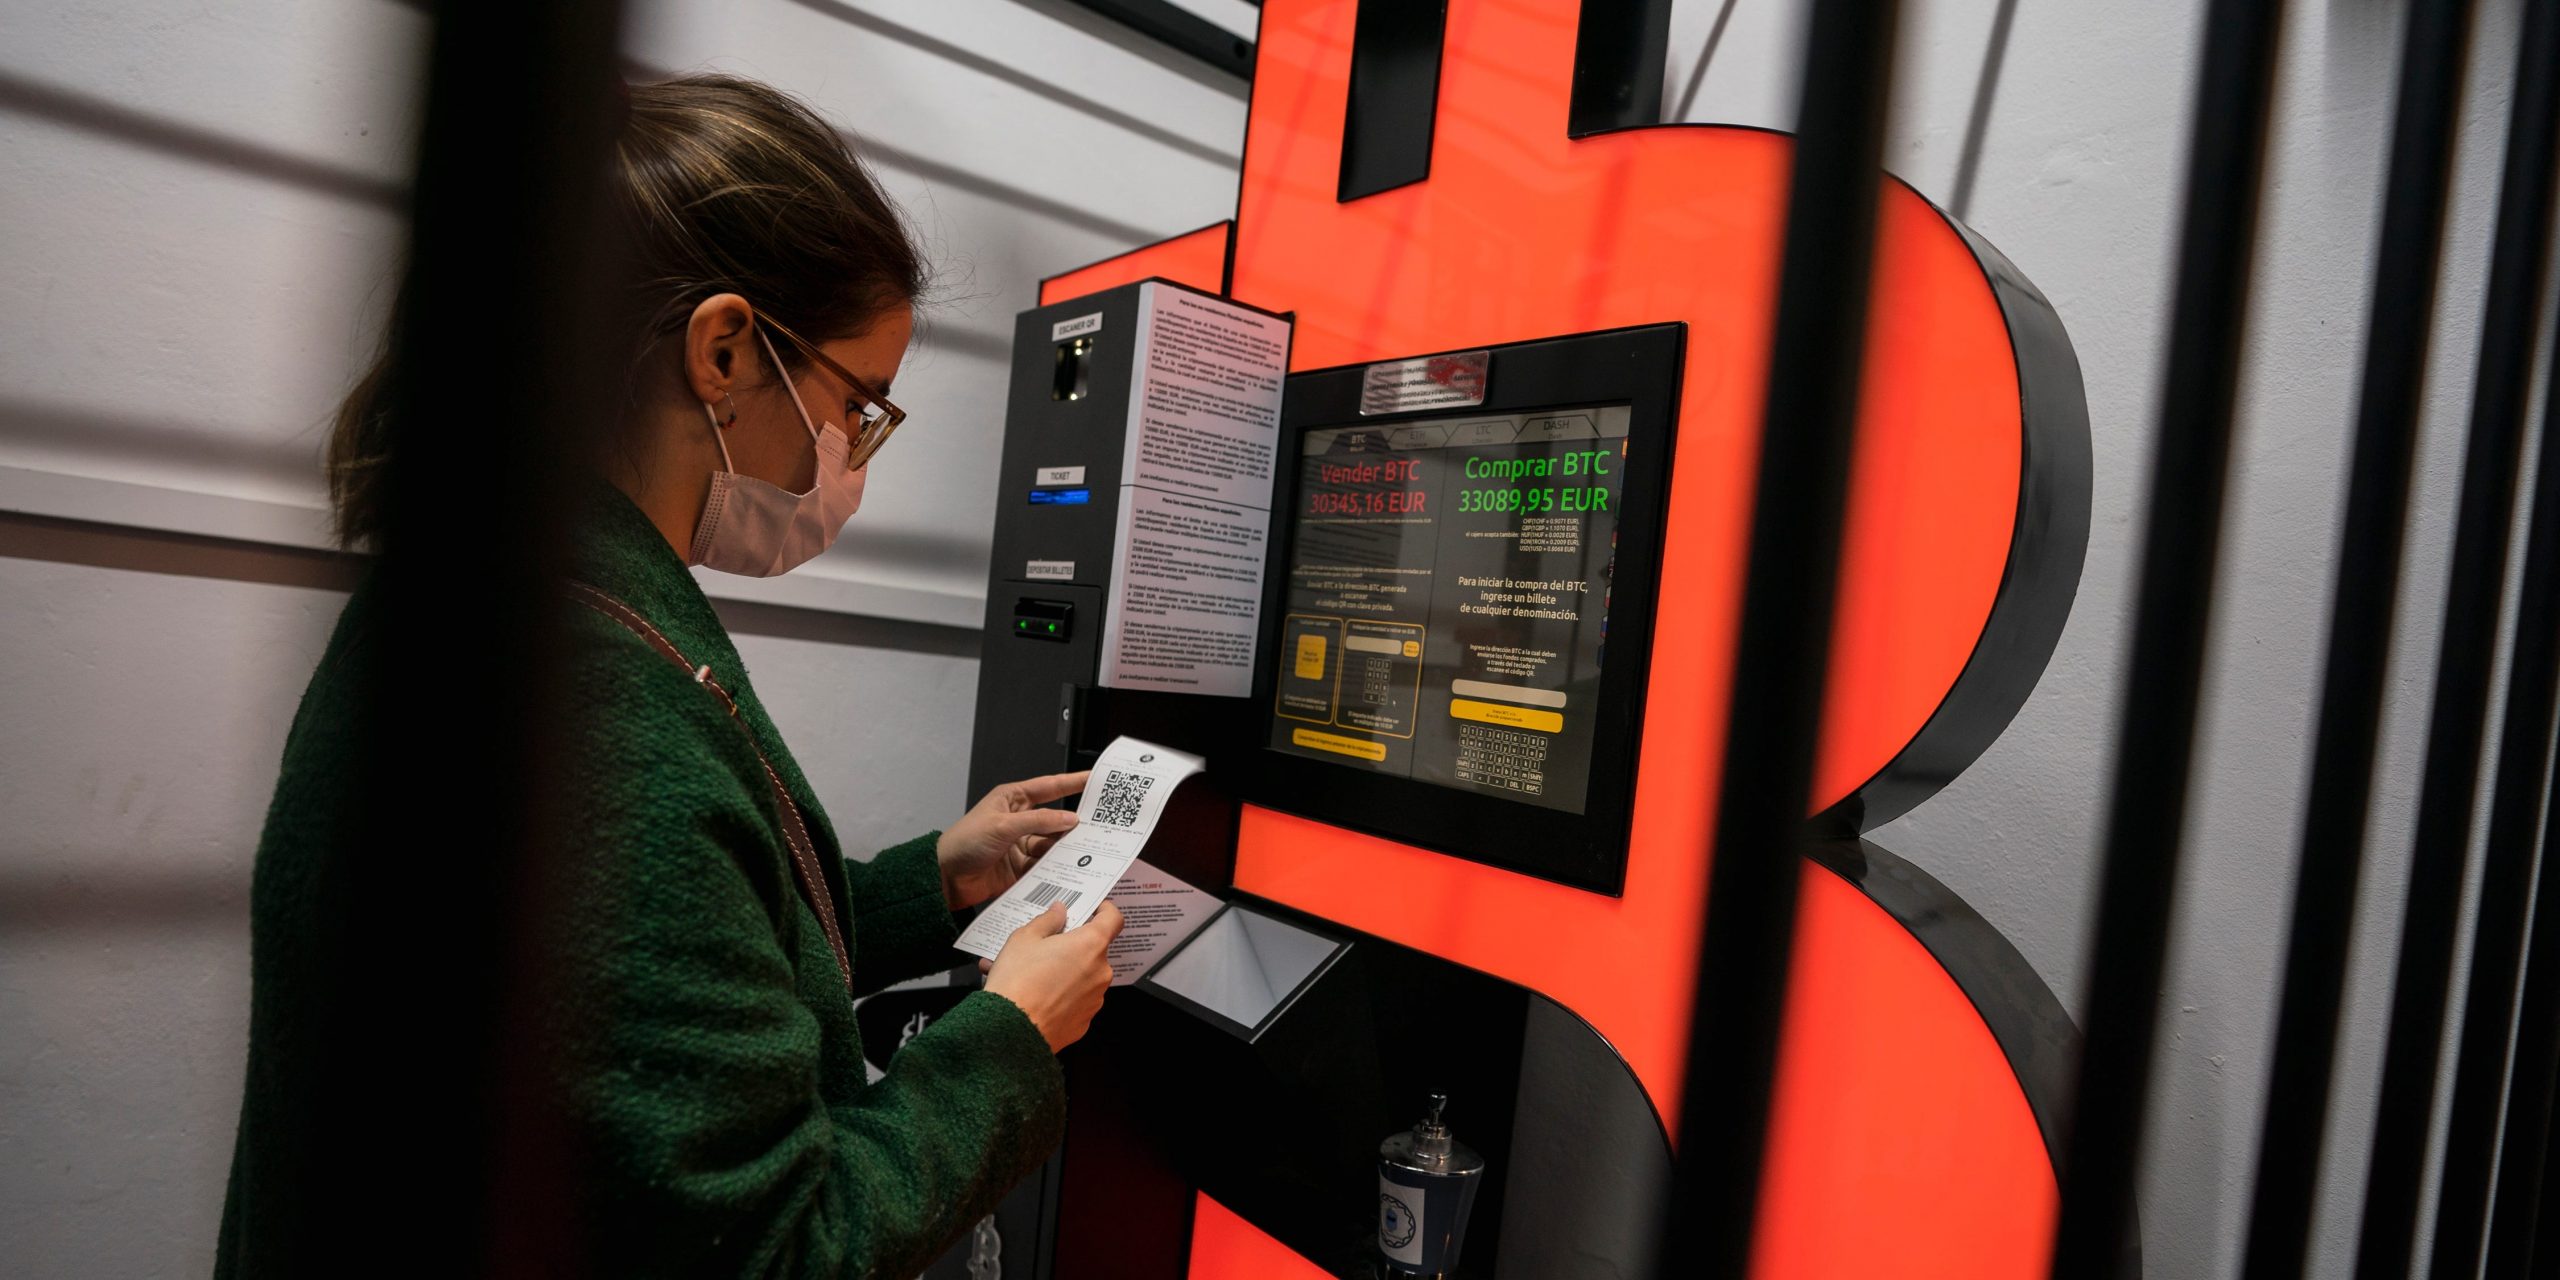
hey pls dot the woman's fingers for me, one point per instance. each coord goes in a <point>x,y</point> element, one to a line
<point>1049,787</point>
<point>1038,822</point>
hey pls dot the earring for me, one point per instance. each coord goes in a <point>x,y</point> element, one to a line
<point>732,419</point>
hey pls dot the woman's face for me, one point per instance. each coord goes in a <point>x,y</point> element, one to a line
<point>727,364</point>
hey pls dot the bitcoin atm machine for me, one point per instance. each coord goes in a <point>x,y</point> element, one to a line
<point>1454,627</point>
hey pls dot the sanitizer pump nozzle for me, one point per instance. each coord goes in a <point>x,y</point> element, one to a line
<point>1427,1182</point>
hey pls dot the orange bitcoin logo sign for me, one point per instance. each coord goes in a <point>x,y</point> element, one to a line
<point>1967,519</point>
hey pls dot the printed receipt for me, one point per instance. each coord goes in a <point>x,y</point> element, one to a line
<point>1158,912</point>
<point>1122,801</point>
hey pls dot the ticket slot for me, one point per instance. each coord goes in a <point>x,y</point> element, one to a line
<point>1195,840</point>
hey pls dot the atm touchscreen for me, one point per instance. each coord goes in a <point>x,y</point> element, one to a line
<point>1446,609</point>
<point>1458,609</point>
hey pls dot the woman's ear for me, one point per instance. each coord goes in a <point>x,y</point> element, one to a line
<point>715,341</point>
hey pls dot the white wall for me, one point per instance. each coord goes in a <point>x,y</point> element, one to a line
<point>202,213</point>
<point>147,381</point>
<point>202,216</point>
<point>133,806</point>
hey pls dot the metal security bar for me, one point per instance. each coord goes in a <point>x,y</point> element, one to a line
<point>1782,659</point>
<point>2524,1182</point>
<point>2521,254</point>
<point>2458,722</point>
<point>430,933</point>
<point>2217,240</point>
<point>2364,607</point>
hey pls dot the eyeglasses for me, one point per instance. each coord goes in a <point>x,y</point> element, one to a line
<point>869,414</point>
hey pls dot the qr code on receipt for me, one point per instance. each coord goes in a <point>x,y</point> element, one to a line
<point>1116,805</point>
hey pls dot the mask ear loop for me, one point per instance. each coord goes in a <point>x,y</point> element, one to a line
<point>720,437</point>
<point>788,385</point>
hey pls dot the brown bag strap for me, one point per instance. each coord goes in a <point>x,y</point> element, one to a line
<point>795,833</point>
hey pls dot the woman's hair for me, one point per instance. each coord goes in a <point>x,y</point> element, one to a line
<point>724,185</point>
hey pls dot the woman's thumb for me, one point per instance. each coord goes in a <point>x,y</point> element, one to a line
<point>1039,822</point>
<point>1047,924</point>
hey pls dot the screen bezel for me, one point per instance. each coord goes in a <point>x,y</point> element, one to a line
<point>1637,367</point>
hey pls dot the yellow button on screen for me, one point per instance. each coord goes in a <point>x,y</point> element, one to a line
<point>1310,657</point>
<point>1339,745</point>
<point>1413,648</point>
<point>1506,716</point>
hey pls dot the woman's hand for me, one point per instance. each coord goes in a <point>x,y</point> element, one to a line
<point>1057,975</point>
<point>993,844</point>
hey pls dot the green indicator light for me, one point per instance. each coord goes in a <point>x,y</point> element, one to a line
<point>1053,626</point>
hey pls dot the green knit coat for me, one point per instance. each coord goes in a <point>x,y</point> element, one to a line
<point>714,1078</point>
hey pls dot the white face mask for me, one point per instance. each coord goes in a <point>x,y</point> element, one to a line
<point>759,529</point>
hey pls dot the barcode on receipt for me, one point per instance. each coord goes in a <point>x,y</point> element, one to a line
<point>1047,891</point>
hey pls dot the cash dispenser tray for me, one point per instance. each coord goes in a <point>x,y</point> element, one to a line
<point>1261,1062</point>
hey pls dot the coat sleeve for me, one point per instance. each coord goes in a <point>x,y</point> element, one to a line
<point>720,1127</point>
<point>901,926</point>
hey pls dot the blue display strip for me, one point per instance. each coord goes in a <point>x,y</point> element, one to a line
<point>1061,497</point>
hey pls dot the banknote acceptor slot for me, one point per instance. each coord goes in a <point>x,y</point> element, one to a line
<point>1043,619</point>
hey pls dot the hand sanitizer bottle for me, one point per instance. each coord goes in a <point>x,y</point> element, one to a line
<point>1427,1182</point>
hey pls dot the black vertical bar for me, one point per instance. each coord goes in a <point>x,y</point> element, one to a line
<point>1782,657</point>
<point>2507,341</point>
<point>2536,1070</point>
<point>2363,610</point>
<point>2190,466</point>
<point>2543,1260</point>
<point>2524,1192</point>
<point>2456,723</point>
<point>2539,1256</point>
<point>431,905</point>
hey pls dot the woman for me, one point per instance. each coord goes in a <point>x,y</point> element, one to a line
<point>708,1063</point>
